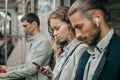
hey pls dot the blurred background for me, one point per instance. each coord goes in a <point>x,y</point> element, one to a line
<point>13,41</point>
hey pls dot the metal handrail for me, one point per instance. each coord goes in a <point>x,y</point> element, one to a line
<point>5,30</point>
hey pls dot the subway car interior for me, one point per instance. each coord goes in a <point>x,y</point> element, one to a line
<point>11,31</point>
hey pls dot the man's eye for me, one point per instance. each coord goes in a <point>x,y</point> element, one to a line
<point>24,26</point>
<point>79,26</point>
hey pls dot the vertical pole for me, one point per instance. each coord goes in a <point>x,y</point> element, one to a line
<point>5,31</point>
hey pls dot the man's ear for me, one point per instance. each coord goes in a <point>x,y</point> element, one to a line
<point>97,16</point>
<point>34,24</point>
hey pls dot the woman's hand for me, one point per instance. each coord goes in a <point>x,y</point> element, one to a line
<point>46,71</point>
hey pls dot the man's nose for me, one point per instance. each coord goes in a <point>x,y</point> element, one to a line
<point>78,34</point>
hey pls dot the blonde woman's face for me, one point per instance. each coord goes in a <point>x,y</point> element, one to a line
<point>60,29</point>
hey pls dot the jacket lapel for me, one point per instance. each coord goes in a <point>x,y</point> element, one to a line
<point>100,66</point>
<point>81,66</point>
<point>72,49</point>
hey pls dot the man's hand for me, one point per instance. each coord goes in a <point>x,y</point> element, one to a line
<point>3,69</point>
<point>3,75</point>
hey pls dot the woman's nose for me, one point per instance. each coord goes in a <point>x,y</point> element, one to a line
<point>54,33</point>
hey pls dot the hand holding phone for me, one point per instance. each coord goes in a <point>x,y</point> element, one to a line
<point>44,70</point>
<point>39,67</point>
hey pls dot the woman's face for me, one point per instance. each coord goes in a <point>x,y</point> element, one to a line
<point>60,29</point>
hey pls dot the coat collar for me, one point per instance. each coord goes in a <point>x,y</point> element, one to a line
<point>71,50</point>
<point>101,65</point>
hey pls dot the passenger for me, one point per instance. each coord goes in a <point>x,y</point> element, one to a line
<point>1,36</point>
<point>39,51</point>
<point>10,47</point>
<point>70,49</point>
<point>101,61</point>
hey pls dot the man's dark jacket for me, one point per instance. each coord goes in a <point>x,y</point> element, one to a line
<point>109,66</point>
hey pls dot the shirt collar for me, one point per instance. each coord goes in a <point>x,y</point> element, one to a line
<point>71,43</point>
<point>31,38</point>
<point>67,47</point>
<point>102,44</point>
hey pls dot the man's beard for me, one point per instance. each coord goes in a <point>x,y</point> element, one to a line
<point>95,37</point>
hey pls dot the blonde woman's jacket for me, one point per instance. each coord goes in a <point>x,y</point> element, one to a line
<point>68,70</point>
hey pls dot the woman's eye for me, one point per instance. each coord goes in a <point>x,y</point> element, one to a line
<point>57,28</point>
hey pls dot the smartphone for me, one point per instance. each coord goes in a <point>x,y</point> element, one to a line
<point>42,68</point>
<point>39,66</point>
<point>36,64</point>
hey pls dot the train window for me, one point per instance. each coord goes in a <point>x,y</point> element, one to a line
<point>45,6</point>
<point>28,8</point>
<point>7,22</point>
<point>36,6</point>
<point>67,2</point>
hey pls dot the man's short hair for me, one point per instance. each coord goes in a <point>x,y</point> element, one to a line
<point>31,17</point>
